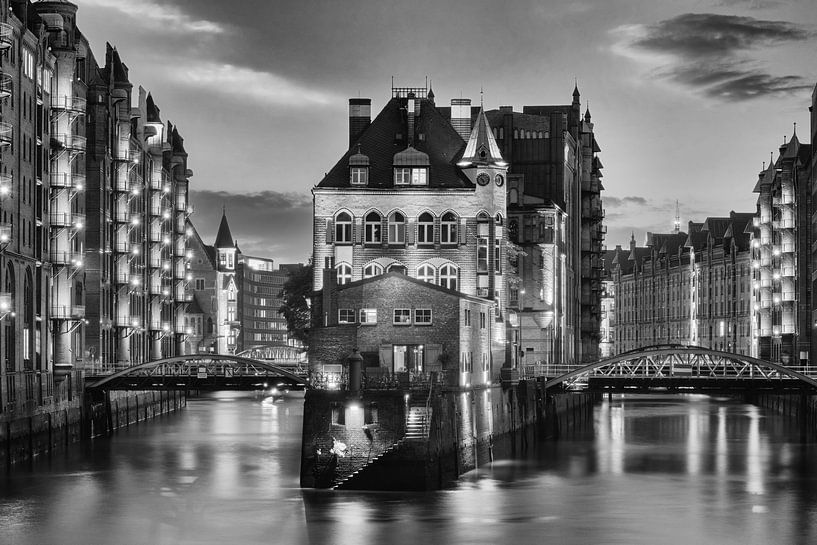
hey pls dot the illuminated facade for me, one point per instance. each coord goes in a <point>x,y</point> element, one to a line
<point>421,191</point>
<point>781,243</point>
<point>685,288</point>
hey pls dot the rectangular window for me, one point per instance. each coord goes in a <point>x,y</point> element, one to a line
<point>497,256</point>
<point>482,255</point>
<point>422,316</point>
<point>468,317</point>
<point>28,63</point>
<point>199,284</point>
<point>346,316</point>
<point>419,176</point>
<point>402,316</point>
<point>368,316</point>
<point>402,176</point>
<point>482,320</point>
<point>359,176</point>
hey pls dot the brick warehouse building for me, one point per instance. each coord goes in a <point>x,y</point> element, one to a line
<point>422,190</point>
<point>93,189</point>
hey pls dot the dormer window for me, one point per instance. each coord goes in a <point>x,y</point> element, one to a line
<point>411,167</point>
<point>358,168</point>
<point>359,175</point>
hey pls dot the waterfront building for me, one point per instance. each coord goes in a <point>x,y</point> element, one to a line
<point>607,342</point>
<point>555,216</point>
<point>236,300</point>
<point>781,312</point>
<point>690,288</point>
<point>419,194</point>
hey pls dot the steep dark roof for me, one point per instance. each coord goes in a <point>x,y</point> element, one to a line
<point>224,238</point>
<point>421,283</point>
<point>152,110</point>
<point>737,230</point>
<point>194,307</point>
<point>435,137</point>
<point>716,227</point>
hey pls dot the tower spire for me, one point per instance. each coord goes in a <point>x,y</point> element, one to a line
<point>677,217</point>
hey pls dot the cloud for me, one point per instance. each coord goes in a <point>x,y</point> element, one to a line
<point>149,12</point>
<point>618,202</point>
<point>270,224</point>
<point>707,52</point>
<point>232,80</point>
<point>751,4</point>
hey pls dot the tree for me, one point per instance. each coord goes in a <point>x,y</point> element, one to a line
<point>295,308</point>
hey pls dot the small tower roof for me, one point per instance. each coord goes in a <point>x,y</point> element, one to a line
<point>409,157</point>
<point>358,159</point>
<point>224,239</point>
<point>482,147</point>
<point>792,148</point>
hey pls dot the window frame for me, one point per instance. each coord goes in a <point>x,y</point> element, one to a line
<point>402,176</point>
<point>372,229</point>
<point>426,277</point>
<point>374,267</point>
<point>404,312</point>
<point>425,230</point>
<point>396,228</point>
<point>344,273</point>
<point>343,227</point>
<point>423,322</point>
<point>366,313</point>
<point>348,314</point>
<point>359,175</point>
<point>448,229</point>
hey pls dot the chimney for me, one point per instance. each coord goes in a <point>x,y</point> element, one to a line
<point>461,116</point>
<point>410,115</point>
<point>360,117</point>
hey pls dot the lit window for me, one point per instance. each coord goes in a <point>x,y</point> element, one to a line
<point>359,175</point>
<point>422,316</point>
<point>448,277</point>
<point>410,176</point>
<point>419,176</point>
<point>372,269</point>
<point>343,228</point>
<point>368,316</point>
<point>425,229</point>
<point>344,273</point>
<point>346,316</point>
<point>448,231</point>
<point>425,273</point>
<point>397,228</point>
<point>402,316</point>
<point>372,228</point>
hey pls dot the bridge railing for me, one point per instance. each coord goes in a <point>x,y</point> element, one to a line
<point>377,379</point>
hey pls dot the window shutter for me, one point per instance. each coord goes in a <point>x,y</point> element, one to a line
<point>432,352</point>
<point>358,228</point>
<point>385,356</point>
<point>461,233</point>
<point>411,232</point>
<point>330,231</point>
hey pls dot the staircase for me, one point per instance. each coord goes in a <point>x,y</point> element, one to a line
<point>340,481</point>
<point>417,422</point>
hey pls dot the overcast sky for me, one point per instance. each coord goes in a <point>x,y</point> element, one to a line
<point>688,97</point>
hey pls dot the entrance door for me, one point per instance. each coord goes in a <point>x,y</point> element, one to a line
<point>408,357</point>
<point>399,357</point>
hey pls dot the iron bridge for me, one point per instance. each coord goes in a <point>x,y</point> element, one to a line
<point>199,372</point>
<point>682,368</point>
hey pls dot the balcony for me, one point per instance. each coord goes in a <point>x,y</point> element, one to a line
<point>67,312</point>
<point>71,142</point>
<point>128,320</point>
<point>6,85</point>
<point>6,130</point>
<point>180,250</point>
<point>5,185</point>
<point>73,259</point>
<point>67,219</point>
<point>67,180</point>
<point>68,104</point>
<point>5,233</point>
<point>6,36</point>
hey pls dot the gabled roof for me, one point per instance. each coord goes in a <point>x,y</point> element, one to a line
<point>194,307</point>
<point>739,229</point>
<point>481,148</point>
<point>152,110</point>
<point>792,148</point>
<point>387,136</point>
<point>224,238</point>
<point>716,227</point>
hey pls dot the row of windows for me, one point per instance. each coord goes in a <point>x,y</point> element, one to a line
<point>446,276</point>
<point>406,176</point>
<point>401,316</point>
<point>396,228</point>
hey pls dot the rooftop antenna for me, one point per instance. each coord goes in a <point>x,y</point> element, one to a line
<point>480,97</point>
<point>677,218</point>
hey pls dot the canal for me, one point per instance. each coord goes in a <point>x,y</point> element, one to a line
<point>224,470</point>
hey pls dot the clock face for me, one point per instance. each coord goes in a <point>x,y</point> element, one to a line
<point>499,180</point>
<point>483,179</point>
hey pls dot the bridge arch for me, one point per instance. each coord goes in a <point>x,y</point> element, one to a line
<point>688,365</point>
<point>200,371</point>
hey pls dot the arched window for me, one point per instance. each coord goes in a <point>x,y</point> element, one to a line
<point>448,228</point>
<point>343,228</point>
<point>28,320</point>
<point>372,226</point>
<point>398,268</point>
<point>10,289</point>
<point>448,277</point>
<point>425,229</point>
<point>425,273</point>
<point>499,220</point>
<point>397,228</point>
<point>372,269</point>
<point>344,273</point>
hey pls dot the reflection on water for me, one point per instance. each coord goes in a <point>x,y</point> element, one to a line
<point>225,470</point>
